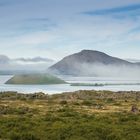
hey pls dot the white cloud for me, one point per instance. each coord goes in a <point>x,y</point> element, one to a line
<point>73,32</point>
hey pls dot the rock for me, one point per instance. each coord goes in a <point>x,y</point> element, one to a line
<point>134,109</point>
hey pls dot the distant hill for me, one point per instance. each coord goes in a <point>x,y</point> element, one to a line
<point>35,79</point>
<point>4,59</point>
<point>89,62</point>
<point>23,65</point>
<point>35,59</point>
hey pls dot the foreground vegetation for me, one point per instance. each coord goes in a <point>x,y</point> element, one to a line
<point>81,115</point>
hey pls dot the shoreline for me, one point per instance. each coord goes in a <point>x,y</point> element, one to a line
<point>76,91</point>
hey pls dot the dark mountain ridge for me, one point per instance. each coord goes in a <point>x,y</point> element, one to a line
<point>88,62</point>
<point>90,56</point>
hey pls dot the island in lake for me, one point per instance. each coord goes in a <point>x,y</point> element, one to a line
<point>31,79</point>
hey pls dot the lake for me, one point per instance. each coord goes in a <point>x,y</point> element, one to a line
<point>51,89</point>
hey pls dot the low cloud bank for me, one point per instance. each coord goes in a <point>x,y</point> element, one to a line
<point>28,64</point>
<point>110,70</point>
<point>98,69</point>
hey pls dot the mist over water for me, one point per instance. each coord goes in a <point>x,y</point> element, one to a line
<point>102,70</point>
<point>99,70</point>
<point>114,77</point>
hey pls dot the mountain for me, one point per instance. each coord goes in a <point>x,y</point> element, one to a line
<point>138,63</point>
<point>4,59</point>
<point>89,62</point>
<point>133,60</point>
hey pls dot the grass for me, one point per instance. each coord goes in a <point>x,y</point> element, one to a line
<point>81,115</point>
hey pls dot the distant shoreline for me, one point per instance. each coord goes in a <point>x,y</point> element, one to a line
<point>106,84</point>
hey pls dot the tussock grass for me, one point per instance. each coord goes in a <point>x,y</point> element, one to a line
<point>81,115</point>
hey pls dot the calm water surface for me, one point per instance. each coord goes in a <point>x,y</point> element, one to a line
<point>51,89</point>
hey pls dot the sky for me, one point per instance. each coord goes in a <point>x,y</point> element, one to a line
<point>57,28</point>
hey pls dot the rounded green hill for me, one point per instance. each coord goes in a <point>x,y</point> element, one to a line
<point>28,79</point>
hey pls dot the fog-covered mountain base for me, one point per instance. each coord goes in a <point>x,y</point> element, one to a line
<point>24,65</point>
<point>95,63</point>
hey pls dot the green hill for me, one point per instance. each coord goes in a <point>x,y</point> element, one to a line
<point>28,79</point>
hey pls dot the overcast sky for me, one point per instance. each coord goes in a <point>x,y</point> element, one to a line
<point>56,28</point>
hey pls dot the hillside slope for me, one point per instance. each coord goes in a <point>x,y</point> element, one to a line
<point>35,79</point>
<point>89,62</point>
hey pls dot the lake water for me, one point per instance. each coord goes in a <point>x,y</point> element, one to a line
<point>51,89</point>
